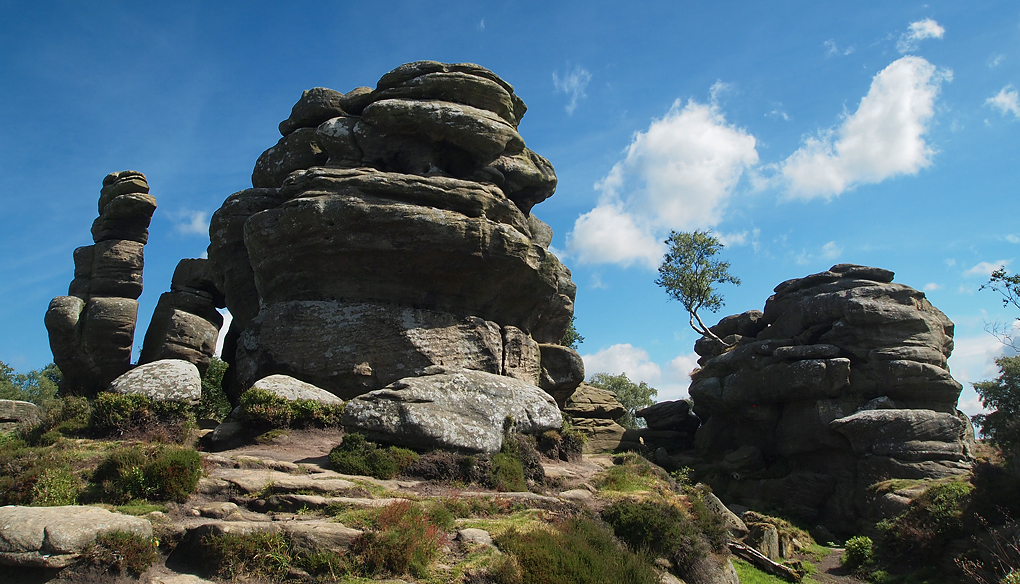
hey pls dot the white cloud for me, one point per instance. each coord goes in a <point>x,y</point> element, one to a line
<point>1007,101</point>
<point>932,286</point>
<point>192,222</point>
<point>973,359</point>
<point>597,283</point>
<point>920,30</point>
<point>1013,238</point>
<point>672,382</point>
<point>678,174</point>
<point>986,268</point>
<point>832,49</point>
<point>882,139</point>
<point>731,239</point>
<point>623,358</point>
<point>573,84</point>
<point>227,319</point>
<point>831,251</point>
<point>995,60</point>
<point>481,25</point>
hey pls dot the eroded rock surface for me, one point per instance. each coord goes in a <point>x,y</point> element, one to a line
<point>389,231</point>
<point>54,537</point>
<point>91,330</point>
<point>842,381</point>
<point>163,380</point>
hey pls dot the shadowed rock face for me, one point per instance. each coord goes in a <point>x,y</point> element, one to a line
<point>841,382</point>
<point>91,329</point>
<point>390,230</point>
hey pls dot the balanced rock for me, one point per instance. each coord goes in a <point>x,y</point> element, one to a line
<point>54,537</point>
<point>186,324</point>
<point>594,412</point>
<point>391,231</point>
<point>91,330</point>
<point>842,381</point>
<point>461,410</point>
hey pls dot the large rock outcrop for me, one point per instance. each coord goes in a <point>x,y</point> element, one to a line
<point>840,383</point>
<point>92,329</point>
<point>389,231</point>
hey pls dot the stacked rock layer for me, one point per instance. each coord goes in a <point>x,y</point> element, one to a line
<point>840,383</point>
<point>390,230</point>
<point>91,329</point>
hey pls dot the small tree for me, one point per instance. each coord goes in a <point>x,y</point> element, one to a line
<point>1009,287</point>
<point>1002,396</point>
<point>37,386</point>
<point>688,273</point>
<point>633,396</point>
<point>571,338</point>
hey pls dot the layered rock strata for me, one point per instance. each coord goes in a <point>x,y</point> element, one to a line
<point>390,230</point>
<point>91,330</point>
<point>841,382</point>
<point>595,412</point>
<point>185,324</point>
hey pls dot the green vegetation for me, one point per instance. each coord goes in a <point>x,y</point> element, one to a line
<point>214,403</point>
<point>688,273</point>
<point>748,574</point>
<point>633,396</point>
<point>1008,286</point>
<point>858,552</point>
<point>263,411</point>
<point>577,551</point>
<point>1002,396</point>
<point>632,473</point>
<point>264,556</point>
<point>38,386</point>
<point>571,338</point>
<point>139,417</point>
<point>121,551</point>
<point>664,529</point>
<point>407,541</point>
<point>357,456</point>
<point>935,517</point>
<point>134,472</point>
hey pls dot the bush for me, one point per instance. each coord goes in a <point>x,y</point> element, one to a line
<point>659,527</point>
<point>407,542</point>
<point>522,448</point>
<point>858,552</point>
<point>932,519</point>
<point>441,465</point>
<point>35,475</point>
<point>55,487</point>
<point>506,473</point>
<point>67,416</point>
<point>140,417</point>
<point>172,474</point>
<point>263,411</point>
<point>132,473</point>
<point>578,551</point>
<point>122,551</point>
<point>357,456</point>
<point>214,403</point>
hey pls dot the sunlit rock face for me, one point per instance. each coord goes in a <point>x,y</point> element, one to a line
<point>91,330</point>
<point>390,230</point>
<point>841,382</point>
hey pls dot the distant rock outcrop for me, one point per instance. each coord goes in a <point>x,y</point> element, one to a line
<point>92,329</point>
<point>390,230</point>
<point>840,383</point>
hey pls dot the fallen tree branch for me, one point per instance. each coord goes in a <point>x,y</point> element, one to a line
<point>760,561</point>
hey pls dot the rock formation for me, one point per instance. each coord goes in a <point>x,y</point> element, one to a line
<point>92,329</point>
<point>390,230</point>
<point>595,411</point>
<point>840,383</point>
<point>185,324</point>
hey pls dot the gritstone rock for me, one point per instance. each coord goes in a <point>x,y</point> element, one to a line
<point>293,389</point>
<point>54,537</point>
<point>460,410</point>
<point>164,380</point>
<point>390,231</point>
<point>595,411</point>
<point>91,330</point>
<point>14,413</point>
<point>839,383</point>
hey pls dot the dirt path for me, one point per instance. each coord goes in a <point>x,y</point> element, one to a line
<point>830,572</point>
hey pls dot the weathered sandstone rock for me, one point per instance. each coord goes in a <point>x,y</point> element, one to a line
<point>54,537</point>
<point>14,413</point>
<point>293,389</point>
<point>163,380</point>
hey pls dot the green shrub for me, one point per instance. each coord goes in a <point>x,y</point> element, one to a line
<point>932,519</point>
<point>440,465</point>
<point>165,474</point>
<point>55,487</point>
<point>1011,578</point>
<point>356,455</point>
<point>858,552</point>
<point>406,542</point>
<point>172,474</point>
<point>578,551</point>
<point>234,556</point>
<point>263,410</point>
<point>139,417</point>
<point>522,447</point>
<point>506,473</point>
<point>214,403</point>
<point>122,551</point>
<point>35,475</point>
<point>659,527</point>
<point>310,413</point>
<point>67,416</point>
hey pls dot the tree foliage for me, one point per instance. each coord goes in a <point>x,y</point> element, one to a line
<point>1002,397</point>
<point>37,386</point>
<point>1009,287</point>
<point>633,396</point>
<point>571,338</point>
<point>689,273</point>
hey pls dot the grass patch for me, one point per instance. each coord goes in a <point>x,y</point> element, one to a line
<point>122,552</point>
<point>357,456</point>
<point>573,552</point>
<point>136,472</point>
<point>748,574</point>
<point>631,473</point>
<point>407,541</point>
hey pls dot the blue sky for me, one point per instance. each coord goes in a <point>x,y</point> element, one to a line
<point>804,134</point>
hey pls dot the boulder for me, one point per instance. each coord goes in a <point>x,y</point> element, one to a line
<point>293,389</point>
<point>54,537</point>
<point>164,380</point>
<point>315,107</point>
<point>14,413</point>
<point>591,402</point>
<point>562,371</point>
<point>460,410</point>
<point>670,415</point>
<point>295,151</point>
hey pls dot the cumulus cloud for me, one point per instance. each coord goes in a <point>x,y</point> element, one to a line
<point>227,319</point>
<point>1007,101</point>
<point>985,269</point>
<point>932,286</point>
<point>678,174</point>
<point>671,382</point>
<point>192,222</point>
<point>918,31</point>
<point>573,84</point>
<point>1013,238</point>
<point>973,359</point>
<point>882,139</point>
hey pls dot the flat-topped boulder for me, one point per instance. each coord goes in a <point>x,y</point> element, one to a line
<point>54,537</point>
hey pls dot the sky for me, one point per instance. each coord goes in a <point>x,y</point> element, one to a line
<point>802,134</point>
